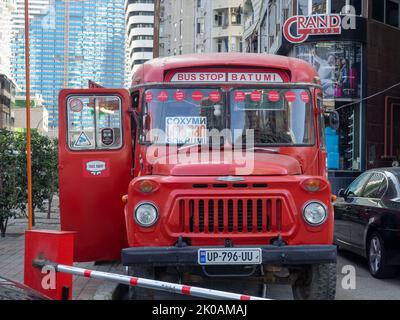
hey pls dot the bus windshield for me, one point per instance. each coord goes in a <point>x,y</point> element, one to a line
<point>183,116</point>
<point>278,117</point>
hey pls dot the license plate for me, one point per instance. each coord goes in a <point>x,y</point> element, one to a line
<point>233,256</point>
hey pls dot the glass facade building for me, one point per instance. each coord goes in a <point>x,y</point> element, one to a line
<point>71,43</point>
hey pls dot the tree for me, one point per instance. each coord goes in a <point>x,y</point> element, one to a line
<point>9,189</point>
<point>13,176</point>
<point>44,170</point>
<point>47,157</point>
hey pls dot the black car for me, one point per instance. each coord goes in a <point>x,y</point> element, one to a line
<point>367,220</point>
<point>11,290</point>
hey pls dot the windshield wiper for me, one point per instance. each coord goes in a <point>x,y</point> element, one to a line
<point>267,150</point>
<point>188,147</point>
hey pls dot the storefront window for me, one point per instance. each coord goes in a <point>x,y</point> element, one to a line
<point>339,67</point>
<point>349,137</point>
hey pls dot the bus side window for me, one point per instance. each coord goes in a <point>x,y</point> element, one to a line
<point>94,123</point>
<point>134,125</point>
<point>321,125</point>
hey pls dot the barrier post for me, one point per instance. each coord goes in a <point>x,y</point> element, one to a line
<point>53,245</point>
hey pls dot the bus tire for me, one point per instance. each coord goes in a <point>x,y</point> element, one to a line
<point>317,282</point>
<point>140,271</point>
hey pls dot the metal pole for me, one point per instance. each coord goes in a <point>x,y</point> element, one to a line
<point>157,22</point>
<point>28,118</point>
<point>66,42</point>
<point>147,283</point>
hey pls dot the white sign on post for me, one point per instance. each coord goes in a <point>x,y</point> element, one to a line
<point>186,130</point>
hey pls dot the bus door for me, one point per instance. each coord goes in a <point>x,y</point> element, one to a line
<point>95,168</point>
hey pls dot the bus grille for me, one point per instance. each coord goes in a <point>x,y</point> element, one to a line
<point>244,215</point>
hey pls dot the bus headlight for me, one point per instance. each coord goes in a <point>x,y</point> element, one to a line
<point>315,213</point>
<point>146,215</point>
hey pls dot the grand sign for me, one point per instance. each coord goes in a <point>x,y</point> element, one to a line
<point>297,29</point>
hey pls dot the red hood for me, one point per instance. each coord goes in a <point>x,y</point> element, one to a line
<point>263,165</point>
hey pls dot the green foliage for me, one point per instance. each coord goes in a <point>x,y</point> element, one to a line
<point>9,191</point>
<point>13,183</point>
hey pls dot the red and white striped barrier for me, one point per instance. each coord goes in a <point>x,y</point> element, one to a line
<point>153,284</point>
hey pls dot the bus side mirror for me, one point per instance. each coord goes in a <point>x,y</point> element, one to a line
<point>135,115</point>
<point>342,193</point>
<point>332,119</point>
<point>146,122</point>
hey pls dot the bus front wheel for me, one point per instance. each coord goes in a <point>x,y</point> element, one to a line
<point>316,282</point>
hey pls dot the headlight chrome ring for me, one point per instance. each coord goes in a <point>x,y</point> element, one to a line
<point>146,214</point>
<point>315,213</point>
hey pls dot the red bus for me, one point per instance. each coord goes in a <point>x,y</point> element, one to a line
<point>211,169</point>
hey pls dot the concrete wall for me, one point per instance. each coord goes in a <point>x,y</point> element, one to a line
<point>39,119</point>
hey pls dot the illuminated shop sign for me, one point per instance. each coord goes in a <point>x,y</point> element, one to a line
<point>297,29</point>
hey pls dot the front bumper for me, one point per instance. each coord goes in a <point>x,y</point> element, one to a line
<point>271,255</point>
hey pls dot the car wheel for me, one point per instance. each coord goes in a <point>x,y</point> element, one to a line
<point>377,258</point>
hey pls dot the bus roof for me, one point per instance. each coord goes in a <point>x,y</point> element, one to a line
<point>156,70</point>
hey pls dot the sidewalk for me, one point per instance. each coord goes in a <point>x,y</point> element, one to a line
<point>12,258</point>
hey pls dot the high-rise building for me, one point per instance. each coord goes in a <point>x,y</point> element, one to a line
<point>252,17</point>
<point>71,42</point>
<point>36,7</point>
<point>139,20</point>
<point>7,85</point>
<point>201,26</point>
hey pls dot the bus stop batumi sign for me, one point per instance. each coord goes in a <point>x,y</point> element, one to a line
<point>232,77</point>
<point>297,29</point>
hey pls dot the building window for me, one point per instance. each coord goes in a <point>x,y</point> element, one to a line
<point>303,8</point>
<point>236,16</point>
<point>378,10</point>
<point>319,7</point>
<point>218,19</point>
<point>309,7</point>
<point>387,11</point>
<point>337,6</point>
<point>220,46</point>
<point>392,13</point>
<point>357,5</point>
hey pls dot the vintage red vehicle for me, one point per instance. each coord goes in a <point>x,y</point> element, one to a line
<point>141,172</point>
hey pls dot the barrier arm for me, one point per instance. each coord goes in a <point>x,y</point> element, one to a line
<point>39,261</point>
<point>144,283</point>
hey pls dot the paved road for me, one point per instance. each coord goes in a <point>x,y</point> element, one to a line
<point>367,287</point>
